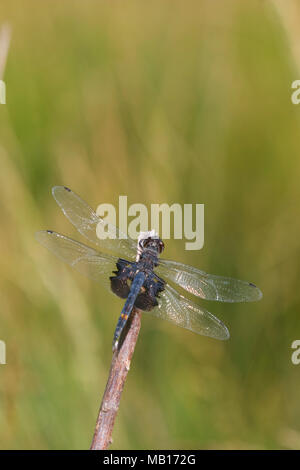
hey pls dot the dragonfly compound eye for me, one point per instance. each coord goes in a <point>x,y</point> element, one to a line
<point>161,246</point>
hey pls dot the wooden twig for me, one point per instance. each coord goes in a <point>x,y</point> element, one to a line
<point>119,369</point>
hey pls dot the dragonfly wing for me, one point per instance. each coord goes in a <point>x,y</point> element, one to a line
<point>177,309</point>
<point>208,286</point>
<point>92,264</point>
<point>85,219</point>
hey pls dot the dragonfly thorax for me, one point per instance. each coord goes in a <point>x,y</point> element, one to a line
<point>121,282</point>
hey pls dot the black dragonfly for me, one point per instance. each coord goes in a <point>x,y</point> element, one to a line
<point>136,273</point>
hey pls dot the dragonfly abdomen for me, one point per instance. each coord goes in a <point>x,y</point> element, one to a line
<point>129,304</point>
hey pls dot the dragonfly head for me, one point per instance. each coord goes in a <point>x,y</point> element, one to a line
<point>150,242</point>
<point>154,244</point>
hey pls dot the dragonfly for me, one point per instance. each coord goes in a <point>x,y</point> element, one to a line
<point>134,271</point>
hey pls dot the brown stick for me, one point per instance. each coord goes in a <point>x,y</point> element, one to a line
<point>119,369</point>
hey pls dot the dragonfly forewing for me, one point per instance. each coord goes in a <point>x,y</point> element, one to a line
<point>86,221</point>
<point>208,286</point>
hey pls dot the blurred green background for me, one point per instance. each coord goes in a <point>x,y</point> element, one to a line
<point>164,102</point>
